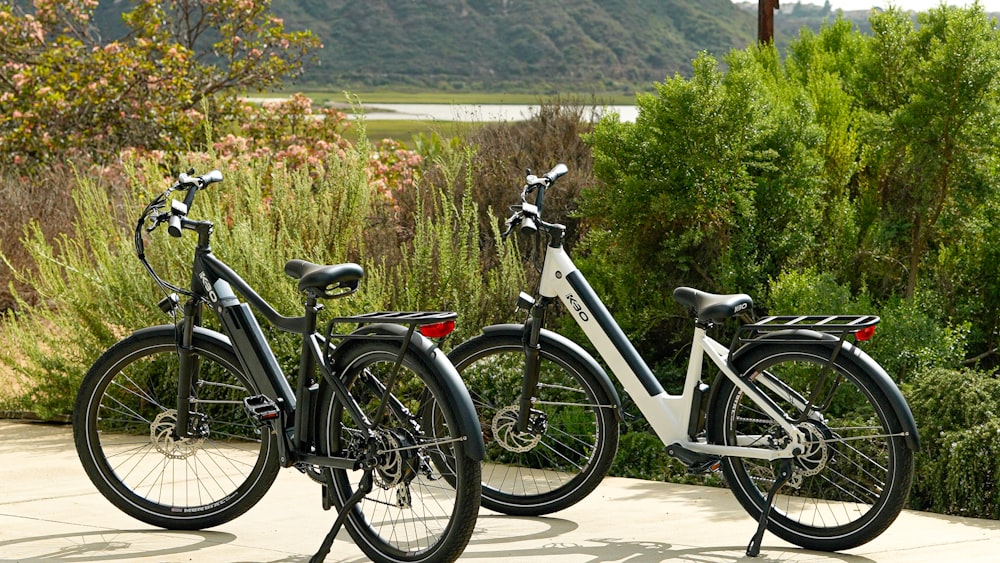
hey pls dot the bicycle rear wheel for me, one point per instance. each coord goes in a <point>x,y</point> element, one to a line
<point>425,499</point>
<point>852,480</point>
<point>123,426</point>
<point>573,431</point>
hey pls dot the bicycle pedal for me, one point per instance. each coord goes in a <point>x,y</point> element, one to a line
<point>713,466</point>
<point>695,462</point>
<point>261,408</point>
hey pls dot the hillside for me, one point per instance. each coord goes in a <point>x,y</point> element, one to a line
<point>492,45</point>
<point>500,44</point>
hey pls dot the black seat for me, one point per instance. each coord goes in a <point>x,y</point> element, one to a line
<point>325,281</point>
<point>711,306</point>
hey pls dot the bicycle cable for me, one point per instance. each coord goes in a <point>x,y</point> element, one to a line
<point>152,212</point>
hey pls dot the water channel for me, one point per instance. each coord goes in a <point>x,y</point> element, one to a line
<point>477,112</point>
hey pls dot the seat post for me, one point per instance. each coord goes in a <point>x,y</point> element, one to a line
<point>306,386</point>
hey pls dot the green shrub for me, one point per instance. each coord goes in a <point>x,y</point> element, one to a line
<point>911,338</point>
<point>958,467</point>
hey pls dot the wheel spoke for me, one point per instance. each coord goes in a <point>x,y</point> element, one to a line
<point>129,445</point>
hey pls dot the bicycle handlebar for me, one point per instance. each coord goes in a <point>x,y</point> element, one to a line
<point>176,217</point>
<point>185,181</point>
<point>527,216</point>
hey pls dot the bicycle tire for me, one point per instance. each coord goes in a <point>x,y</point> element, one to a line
<point>558,465</point>
<point>854,477</point>
<point>413,514</point>
<point>122,423</point>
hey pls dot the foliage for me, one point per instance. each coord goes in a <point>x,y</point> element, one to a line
<point>928,124</point>
<point>64,90</point>
<point>716,185</point>
<point>448,268</point>
<point>327,206</point>
<point>545,48</point>
<point>868,157</point>
<point>552,135</point>
<point>958,413</point>
<point>911,337</point>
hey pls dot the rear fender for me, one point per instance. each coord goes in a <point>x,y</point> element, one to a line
<point>446,377</point>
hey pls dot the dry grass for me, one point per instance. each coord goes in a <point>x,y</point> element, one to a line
<point>44,197</point>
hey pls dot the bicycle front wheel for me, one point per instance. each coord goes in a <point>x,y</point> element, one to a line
<point>853,478</point>
<point>123,427</point>
<point>573,430</point>
<point>424,499</point>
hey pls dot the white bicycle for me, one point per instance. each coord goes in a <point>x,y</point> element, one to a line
<point>812,436</point>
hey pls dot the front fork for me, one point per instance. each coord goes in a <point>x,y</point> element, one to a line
<point>190,364</point>
<point>532,354</point>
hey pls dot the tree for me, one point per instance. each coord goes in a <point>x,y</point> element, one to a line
<point>716,185</point>
<point>929,119</point>
<point>66,91</point>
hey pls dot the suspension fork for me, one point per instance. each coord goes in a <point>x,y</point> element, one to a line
<point>532,355</point>
<point>189,366</point>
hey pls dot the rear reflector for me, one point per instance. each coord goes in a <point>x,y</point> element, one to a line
<point>437,330</point>
<point>865,333</point>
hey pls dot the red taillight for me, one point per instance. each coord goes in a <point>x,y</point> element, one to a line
<point>437,330</point>
<point>865,333</point>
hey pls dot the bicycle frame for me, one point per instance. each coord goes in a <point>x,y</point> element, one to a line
<point>212,282</point>
<point>668,415</point>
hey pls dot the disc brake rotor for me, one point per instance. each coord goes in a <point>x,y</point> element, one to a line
<point>814,458</point>
<point>506,434</point>
<point>161,432</point>
<point>390,468</point>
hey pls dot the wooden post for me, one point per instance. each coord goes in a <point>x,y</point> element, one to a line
<point>765,20</point>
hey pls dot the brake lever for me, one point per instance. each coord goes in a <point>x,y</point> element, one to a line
<point>159,218</point>
<point>509,224</point>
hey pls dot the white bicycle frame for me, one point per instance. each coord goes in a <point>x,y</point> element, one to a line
<point>667,414</point>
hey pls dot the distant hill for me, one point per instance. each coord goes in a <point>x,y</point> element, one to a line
<point>519,45</point>
<point>554,45</point>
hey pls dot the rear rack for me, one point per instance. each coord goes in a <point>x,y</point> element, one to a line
<point>410,319</point>
<point>398,317</point>
<point>839,325</point>
<point>834,324</point>
<point>770,329</point>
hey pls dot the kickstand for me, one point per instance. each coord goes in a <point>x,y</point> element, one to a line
<point>784,474</point>
<point>364,487</point>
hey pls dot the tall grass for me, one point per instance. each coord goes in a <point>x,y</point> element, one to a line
<point>91,290</point>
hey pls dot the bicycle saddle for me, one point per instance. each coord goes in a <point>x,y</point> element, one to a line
<point>711,306</point>
<point>324,281</point>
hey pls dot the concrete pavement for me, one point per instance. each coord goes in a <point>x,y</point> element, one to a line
<point>49,511</point>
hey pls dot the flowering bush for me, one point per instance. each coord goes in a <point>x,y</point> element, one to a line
<point>64,92</point>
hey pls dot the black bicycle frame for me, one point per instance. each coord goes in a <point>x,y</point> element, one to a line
<point>212,282</point>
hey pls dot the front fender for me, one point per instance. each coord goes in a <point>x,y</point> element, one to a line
<point>200,332</point>
<point>447,378</point>
<point>553,340</point>
<point>849,353</point>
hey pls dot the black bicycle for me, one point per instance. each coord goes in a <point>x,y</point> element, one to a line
<point>184,427</point>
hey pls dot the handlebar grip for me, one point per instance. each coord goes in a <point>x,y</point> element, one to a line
<point>212,177</point>
<point>556,172</point>
<point>174,226</point>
